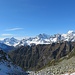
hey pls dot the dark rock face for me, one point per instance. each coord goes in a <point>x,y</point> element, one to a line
<point>37,56</point>
<point>3,55</point>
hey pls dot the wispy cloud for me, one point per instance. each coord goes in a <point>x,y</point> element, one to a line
<point>14,29</point>
<point>6,34</point>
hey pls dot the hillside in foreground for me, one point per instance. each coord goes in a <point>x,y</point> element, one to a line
<point>65,67</point>
<point>7,67</point>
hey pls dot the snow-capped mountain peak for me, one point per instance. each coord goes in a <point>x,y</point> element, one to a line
<point>10,41</point>
<point>71,32</point>
<point>43,36</point>
<point>40,39</point>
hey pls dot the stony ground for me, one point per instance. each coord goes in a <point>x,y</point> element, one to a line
<point>65,67</point>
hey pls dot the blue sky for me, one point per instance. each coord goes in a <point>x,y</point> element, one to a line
<point>19,18</point>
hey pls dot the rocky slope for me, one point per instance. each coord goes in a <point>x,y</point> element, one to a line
<point>7,67</point>
<point>38,56</point>
<point>65,67</point>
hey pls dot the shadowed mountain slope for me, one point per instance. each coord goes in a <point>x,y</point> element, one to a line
<point>38,56</point>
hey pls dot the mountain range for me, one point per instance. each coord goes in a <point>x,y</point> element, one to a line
<point>40,55</point>
<point>40,39</point>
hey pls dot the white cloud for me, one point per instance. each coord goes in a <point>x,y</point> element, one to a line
<point>14,29</point>
<point>7,34</point>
